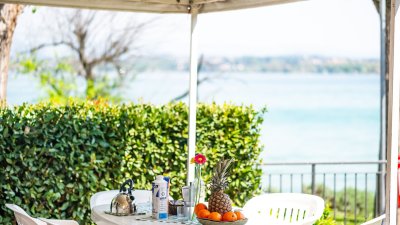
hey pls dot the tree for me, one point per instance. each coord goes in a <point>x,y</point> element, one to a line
<point>96,43</point>
<point>200,80</point>
<point>55,78</point>
<point>8,21</point>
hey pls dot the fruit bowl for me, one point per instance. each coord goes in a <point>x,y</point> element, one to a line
<point>211,222</point>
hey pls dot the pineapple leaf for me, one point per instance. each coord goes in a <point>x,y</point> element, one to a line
<point>219,181</point>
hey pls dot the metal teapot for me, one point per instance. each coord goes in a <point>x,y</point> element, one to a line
<point>124,201</point>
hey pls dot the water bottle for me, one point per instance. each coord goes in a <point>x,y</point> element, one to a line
<point>160,198</point>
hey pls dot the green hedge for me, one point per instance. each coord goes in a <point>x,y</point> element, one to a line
<point>53,158</point>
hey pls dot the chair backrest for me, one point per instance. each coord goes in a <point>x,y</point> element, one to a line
<point>376,221</point>
<point>59,222</point>
<point>105,197</point>
<point>284,208</point>
<point>22,217</point>
<point>102,198</point>
<point>142,196</point>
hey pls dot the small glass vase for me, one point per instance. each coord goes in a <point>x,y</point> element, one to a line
<point>199,190</point>
<point>198,195</point>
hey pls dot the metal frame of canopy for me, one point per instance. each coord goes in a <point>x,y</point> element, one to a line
<point>156,6</point>
<point>393,106</point>
<point>194,7</point>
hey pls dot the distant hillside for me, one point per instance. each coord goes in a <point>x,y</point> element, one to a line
<point>284,64</point>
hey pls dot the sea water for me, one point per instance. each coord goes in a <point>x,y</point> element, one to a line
<point>311,117</point>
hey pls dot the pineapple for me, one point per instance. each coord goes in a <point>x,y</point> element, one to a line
<point>218,200</point>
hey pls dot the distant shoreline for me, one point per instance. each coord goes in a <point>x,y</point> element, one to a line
<point>252,64</point>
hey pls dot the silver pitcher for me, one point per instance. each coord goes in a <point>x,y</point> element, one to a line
<point>124,202</point>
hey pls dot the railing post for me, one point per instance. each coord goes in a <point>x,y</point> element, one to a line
<point>369,176</point>
<point>313,178</point>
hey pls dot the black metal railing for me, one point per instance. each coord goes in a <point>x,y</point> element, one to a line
<point>352,189</point>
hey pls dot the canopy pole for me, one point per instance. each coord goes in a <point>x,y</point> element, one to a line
<point>393,116</point>
<point>192,94</point>
<point>383,110</point>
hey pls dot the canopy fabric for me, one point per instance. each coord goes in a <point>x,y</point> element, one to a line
<point>155,6</point>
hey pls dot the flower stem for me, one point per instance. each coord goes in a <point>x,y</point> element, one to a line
<point>198,186</point>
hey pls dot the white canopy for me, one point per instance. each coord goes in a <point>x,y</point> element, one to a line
<point>155,6</point>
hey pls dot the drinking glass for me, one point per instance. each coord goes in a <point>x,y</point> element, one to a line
<point>180,211</point>
<point>144,207</point>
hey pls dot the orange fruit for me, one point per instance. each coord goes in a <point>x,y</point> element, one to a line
<point>203,214</point>
<point>199,207</point>
<point>229,216</point>
<point>215,216</point>
<point>239,215</point>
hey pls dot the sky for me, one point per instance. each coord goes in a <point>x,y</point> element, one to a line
<point>333,28</point>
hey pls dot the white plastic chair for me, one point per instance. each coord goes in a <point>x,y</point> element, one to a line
<point>376,221</point>
<point>284,208</point>
<point>102,198</point>
<point>105,197</point>
<point>23,218</point>
<point>58,222</point>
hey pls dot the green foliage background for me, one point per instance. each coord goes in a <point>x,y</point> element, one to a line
<point>53,158</point>
<point>326,218</point>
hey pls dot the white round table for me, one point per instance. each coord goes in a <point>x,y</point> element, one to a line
<point>100,217</point>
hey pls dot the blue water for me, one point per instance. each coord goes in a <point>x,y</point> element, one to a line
<point>313,117</point>
<point>310,117</point>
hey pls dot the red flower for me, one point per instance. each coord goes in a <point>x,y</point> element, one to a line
<point>200,159</point>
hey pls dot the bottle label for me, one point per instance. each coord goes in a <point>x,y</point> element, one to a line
<point>160,201</point>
